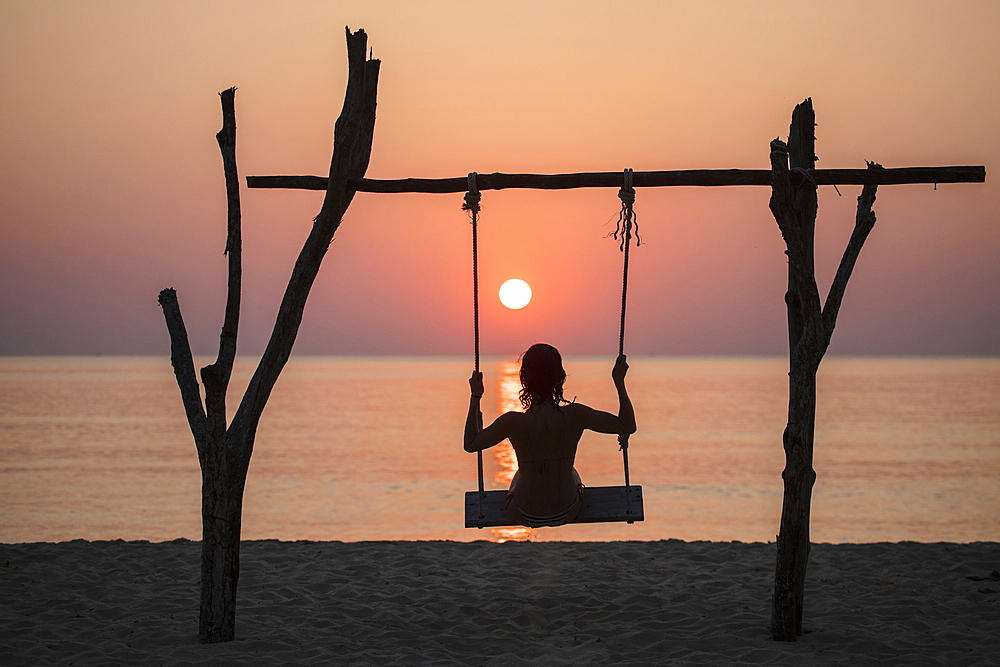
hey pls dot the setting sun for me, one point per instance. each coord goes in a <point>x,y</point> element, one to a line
<point>515,294</point>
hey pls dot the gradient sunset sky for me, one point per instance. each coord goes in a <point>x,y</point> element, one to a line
<point>112,187</point>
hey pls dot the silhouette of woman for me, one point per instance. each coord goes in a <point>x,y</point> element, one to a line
<point>546,490</point>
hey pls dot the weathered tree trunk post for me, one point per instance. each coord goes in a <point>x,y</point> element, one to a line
<point>224,452</point>
<point>801,302</point>
<point>810,328</point>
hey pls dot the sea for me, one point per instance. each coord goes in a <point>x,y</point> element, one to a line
<point>370,448</point>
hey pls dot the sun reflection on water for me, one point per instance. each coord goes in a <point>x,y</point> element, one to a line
<point>509,385</point>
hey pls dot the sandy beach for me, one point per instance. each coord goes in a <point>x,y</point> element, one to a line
<point>479,603</point>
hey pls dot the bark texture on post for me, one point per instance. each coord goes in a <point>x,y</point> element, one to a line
<point>224,451</point>
<point>810,328</point>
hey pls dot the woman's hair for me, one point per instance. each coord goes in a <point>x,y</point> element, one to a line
<point>542,376</point>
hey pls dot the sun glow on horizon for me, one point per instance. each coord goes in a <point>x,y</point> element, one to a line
<point>515,294</point>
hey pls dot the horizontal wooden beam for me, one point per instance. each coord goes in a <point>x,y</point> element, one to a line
<point>613,179</point>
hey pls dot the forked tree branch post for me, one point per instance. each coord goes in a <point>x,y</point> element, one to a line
<point>224,451</point>
<point>810,328</point>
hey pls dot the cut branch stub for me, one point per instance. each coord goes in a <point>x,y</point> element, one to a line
<point>183,365</point>
<point>781,203</point>
<point>864,222</point>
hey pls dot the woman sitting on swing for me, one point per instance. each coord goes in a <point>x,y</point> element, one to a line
<point>546,490</point>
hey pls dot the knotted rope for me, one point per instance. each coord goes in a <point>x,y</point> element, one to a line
<point>807,176</point>
<point>472,199</point>
<point>780,148</point>
<point>627,223</point>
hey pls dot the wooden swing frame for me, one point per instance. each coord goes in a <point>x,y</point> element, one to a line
<point>224,448</point>
<point>793,179</point>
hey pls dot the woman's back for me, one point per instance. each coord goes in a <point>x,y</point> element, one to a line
<point>545,440</point>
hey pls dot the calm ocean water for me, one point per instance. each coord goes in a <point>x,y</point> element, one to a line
<point>369,448</point>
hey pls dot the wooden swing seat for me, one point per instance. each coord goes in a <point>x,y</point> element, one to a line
<point>600,504</point>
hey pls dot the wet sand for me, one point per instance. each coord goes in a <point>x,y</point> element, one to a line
<point>480,603</point>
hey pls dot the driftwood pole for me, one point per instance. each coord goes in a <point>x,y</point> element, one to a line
<point>224,452</point>
<point>810,328</point>
<point>645,179</point>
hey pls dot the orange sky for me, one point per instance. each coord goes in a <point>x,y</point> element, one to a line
<point>111,185</point>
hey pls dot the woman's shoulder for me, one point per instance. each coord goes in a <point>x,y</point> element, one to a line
<point>576,410</point>
<point>507,423</point>
<point>511,419</point>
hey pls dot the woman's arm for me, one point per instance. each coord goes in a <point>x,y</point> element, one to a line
<point>605,422</point>
<point>477,437</point>
<point>626,414</point>
<point>474,420</point>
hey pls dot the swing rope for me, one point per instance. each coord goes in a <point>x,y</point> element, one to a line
<point>472,199</point>
<point>623,233</point>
